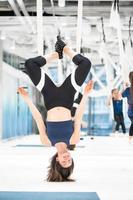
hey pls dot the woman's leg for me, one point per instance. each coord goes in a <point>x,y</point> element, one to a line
<point>122,123</point>
<point>83,63</point>
<point>117,126</point>
<point>68,51</point>
<point>116,118</point>
<point>131,130</point>
<point>123,127</point>
<point>35,72</point>
<point>74,81</point>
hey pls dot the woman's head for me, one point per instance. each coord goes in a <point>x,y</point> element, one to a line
<point>64,158</point>
<point>131,77</point>
<point>131,81</point>
<point>115,93</point>
<point>61,167</point>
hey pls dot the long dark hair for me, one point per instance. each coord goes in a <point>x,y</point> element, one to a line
<point>57,173</point>
<point>131,81</point>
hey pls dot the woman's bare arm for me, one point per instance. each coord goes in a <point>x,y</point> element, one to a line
<point>36,115</point>
<point>79,114</point>
<point>109,100</point>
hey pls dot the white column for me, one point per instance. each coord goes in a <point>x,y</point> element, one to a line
<point>1,60</point>
<point>79,25</point>
<point>39,27</point>
<point>124,65</point>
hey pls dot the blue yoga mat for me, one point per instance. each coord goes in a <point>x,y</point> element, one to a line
<point>49,196</point>
<point>30,145</point>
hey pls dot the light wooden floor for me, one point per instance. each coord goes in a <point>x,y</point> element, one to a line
<point>103,165</point>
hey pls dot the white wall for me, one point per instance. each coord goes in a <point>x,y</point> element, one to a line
<point>0,89</point>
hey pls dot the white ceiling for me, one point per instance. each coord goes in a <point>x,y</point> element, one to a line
<point>91,7</point>
<point>22,30</point>
<point>17,29</point>
<point>91,39</point>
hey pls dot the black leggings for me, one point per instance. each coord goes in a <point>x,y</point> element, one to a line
<point>54,95</point>
<point>119,121</point>
<point>131,127</point>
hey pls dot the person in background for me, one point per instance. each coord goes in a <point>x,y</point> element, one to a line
<point>128,93</point>
<point>117,103</point>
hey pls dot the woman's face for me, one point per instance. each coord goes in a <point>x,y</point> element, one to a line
<point>64,159</point>
<point>116,94</point>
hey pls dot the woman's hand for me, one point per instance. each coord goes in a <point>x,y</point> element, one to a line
<point>119,95</point>
<point>22,92</point>
<point>88,87</point>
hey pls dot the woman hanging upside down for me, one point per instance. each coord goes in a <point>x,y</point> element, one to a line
<point>59,130</point>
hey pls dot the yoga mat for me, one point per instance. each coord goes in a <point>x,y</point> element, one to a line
<point>39,145</point>
<point>48,196</point>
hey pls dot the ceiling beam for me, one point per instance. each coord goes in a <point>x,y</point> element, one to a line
<point>89,10</point>
<point>26,14</point>
<point>99,1</point>
<point>14,7</point>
